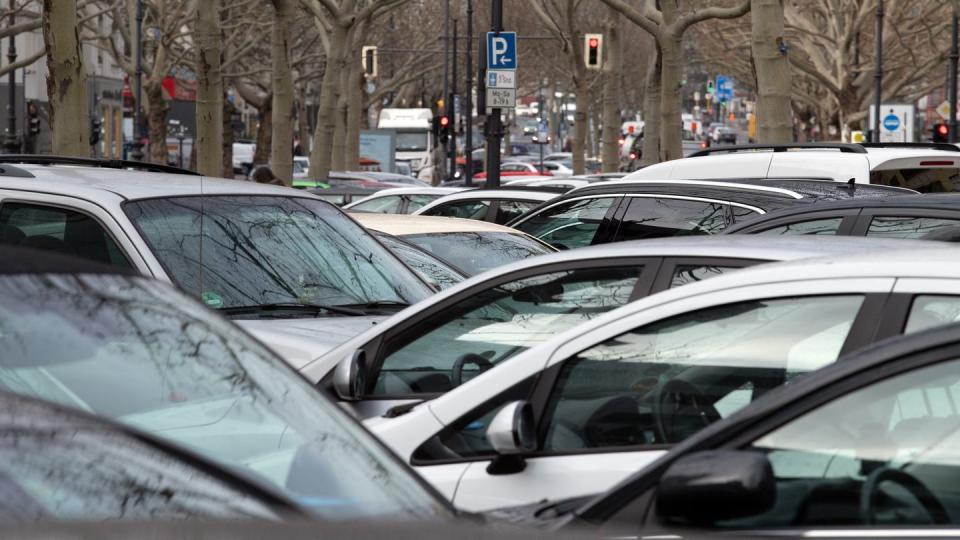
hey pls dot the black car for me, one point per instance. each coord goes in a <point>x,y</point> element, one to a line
<point>637,209</point>
<point>934,216</point>
<point>866,447</point>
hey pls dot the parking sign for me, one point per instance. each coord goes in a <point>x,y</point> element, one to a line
<point>501,50</point>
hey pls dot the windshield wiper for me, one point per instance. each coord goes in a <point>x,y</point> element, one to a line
<point>378,305</point>
<point>291,306</point>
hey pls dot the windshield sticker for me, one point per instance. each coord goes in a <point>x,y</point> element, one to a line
<point>212,299</point>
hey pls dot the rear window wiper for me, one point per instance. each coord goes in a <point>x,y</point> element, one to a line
<point>290,306</point>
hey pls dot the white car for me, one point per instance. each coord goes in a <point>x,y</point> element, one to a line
<point>404,200</point>
<point>583,410</point>
<point>922,167</point>
<point>469,246</point>
<point>565,183</point>
<point>493,205</point>
<point>292,269</point>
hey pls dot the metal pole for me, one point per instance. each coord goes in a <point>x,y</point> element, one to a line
<point>11,143</point>
<point>137,153</point>
<point>539,120</point>
<point>954,55</point>
<point>878,72</point>
<point>452,151</point>
<point>494,121</point>
<point>468,101</point>
<point>446,69</point>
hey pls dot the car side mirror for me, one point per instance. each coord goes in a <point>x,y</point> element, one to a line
<point>511,433</point>
<point>350,377</point>
<point>715,485</point>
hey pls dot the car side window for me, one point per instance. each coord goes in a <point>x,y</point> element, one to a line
<point>456,344</point>
<point>929,311</point>
<point>416,202</point>
<point>63,231</point>
<point>658,217</point>
<point>691,273</point>
<point>663,382</point>
<point>379,205</point>
<point>508,210</point>
<point>461,209</point>
<point>865,457</point>
<point>927,228</point>
<point>827,226</point>
<point>569,225</point>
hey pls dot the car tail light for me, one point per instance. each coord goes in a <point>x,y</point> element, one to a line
<point>936,163</point>
<point>633,155</point>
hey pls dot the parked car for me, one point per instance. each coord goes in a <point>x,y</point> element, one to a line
<point>292,269</point>
<point>862,448</point>
<point>471,247</point>
<point>620,210</point>
<point>399,200</point>
<point>563,182</point>
<point>144,355</point>
<point>920,166</point>
<point>493,205</point>
<point>584,409</point>
<point>438,273</point>
<point>723,135</point>
<point>934,216</point>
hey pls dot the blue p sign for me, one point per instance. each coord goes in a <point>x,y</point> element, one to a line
<point>502,50</point>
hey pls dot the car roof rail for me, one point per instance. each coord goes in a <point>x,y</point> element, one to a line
<point>847,148</point>
<point>93,162</point>
<point>947,147</point>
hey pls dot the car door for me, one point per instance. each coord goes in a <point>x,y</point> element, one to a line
<point>573,223</point>
<point>916,223</point>
<point>659,216</point>
<point>614,406</point>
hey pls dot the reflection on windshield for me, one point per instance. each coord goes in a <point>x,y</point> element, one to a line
<point>476,252</point>
<point>261,250</point>
<point>143,354</point>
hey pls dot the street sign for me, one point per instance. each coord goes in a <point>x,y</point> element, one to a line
<point>724,88</point>
<point>896,122</point>
<point>501,50</point>
<point>944,110</point>
<point>501,98</point>
<point>891,122</point>
<point>502,79</point>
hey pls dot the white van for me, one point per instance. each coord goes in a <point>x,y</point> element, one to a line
<point>923,167</point>
<point>414,142</point>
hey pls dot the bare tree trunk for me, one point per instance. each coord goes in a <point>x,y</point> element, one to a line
<point>66,82</point>
<point>581,125</point>
<point>773,72</point>
<point>303,127</point>
<point>671,128</point>
<point>611,96</point>
<point>157,108</point>
<point>338,161</point>
<point>209,139</point>
<point>281,148</point>
<point>320,154</point>
<point>226,163</point>
<point>354,116</point>
<point>651,113</point>
<point>261,155</point>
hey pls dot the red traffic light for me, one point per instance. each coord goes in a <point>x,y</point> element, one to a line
<point>444,121</point>
<point>942,129</point>
<point>593,43</point>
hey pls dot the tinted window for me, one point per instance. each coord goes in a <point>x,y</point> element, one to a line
<point>379,205</point>
<point>261,250</point>
<point>689,273</point>
<point>508,210</point>
<point>416,202</point>
<point>914,227</point>
<point>906,427</point>
<point>926,180</point>
<point>660,217</point>
<point>461,209</point>
<point>661,383</point>
<point>59,230</point>
<point>929,311</point>
<point>433,270</point>
<point>476,252</point>
<point>498,323</point>
<point>828,226</point>
<point>569,225</point>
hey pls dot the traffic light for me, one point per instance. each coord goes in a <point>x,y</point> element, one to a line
<point>593,51</point>
<point>441,127</point>
<point>368,59</point>
<point>710,87</point>
<point>94,131</point>
<point>33,118</point>
<point>941,133</point>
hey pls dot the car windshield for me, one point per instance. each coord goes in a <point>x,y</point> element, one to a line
<point>143,354</point>
<point>411,141</point>
<point>476,252</point>
<point>261,250</point>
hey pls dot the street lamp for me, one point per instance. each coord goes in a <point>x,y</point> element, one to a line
<point>11,143</point>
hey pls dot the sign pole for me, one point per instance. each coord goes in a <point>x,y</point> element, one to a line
<point>468,101</point>
<point>451,107</point>
<point>878,72</point>
<point>494,121</point>
<point>954,55</point>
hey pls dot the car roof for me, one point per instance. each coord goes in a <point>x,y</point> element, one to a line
<point>416,190</point>
<point>103,184</point>
<point>405,224</point>
<point>19,260</point>
<point>483,194</point>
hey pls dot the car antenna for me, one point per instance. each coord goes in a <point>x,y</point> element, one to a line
<point>852,185</point>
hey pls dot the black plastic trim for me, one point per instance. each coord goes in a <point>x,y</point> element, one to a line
<point>94,162</point>
<point>846,148</point>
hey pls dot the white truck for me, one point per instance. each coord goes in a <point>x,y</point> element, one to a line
<point>414,142</point>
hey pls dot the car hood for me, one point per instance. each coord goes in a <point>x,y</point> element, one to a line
<point>300,341</point>
<point>548,515</point>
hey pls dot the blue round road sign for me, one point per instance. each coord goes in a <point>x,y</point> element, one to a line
<point>891,122</point>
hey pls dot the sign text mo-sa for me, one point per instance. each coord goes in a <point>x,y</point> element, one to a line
<point>501,50</point>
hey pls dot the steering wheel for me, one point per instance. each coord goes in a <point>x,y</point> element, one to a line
<point>926,498</point>
<point>675,398</point>
<point>456,372</point>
